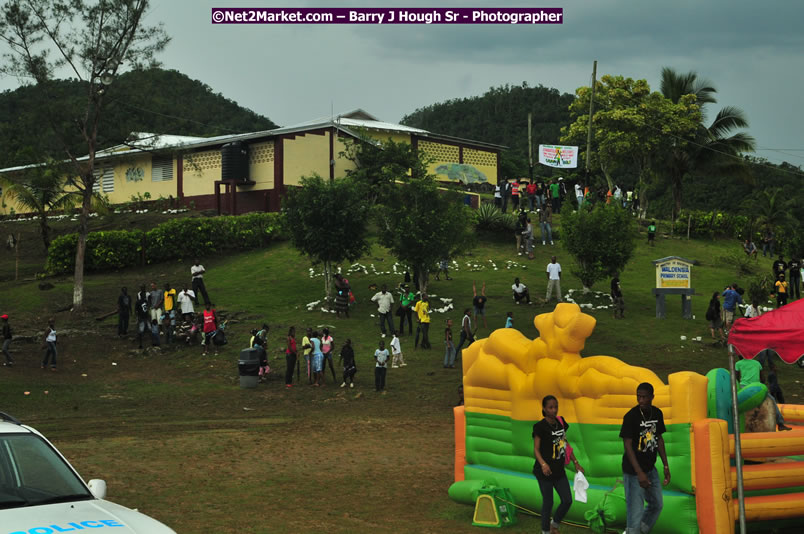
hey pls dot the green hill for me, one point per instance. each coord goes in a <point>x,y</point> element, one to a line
<point>152,100</point>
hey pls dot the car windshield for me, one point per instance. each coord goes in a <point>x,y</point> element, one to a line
<point>32,473</point>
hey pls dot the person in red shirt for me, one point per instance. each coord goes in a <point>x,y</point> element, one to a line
<point>210,325</point>
<point>531,190</point>
<point>290,358</point>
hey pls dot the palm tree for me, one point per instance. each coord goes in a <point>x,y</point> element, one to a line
<point>715,145</point>
<point>41,191</point>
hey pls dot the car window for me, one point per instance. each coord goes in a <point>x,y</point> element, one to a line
<point>31,471</point>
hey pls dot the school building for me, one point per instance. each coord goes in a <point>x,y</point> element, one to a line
<point>251,172</point>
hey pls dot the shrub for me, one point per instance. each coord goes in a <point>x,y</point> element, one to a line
<point>489,218</point>
<point>743,264</point>
<point>601,240</point>
<point>111,249</point>
<point>174,239</point>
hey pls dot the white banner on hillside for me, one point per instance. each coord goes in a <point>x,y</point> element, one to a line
<point>565,157</point>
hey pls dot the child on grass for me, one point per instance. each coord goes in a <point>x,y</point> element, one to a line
<point>381,359</point>
<point>349,367</point>
<point>155,333</point>
<point>509,320</point>
<point>396,349</point>
<point>318,360</point>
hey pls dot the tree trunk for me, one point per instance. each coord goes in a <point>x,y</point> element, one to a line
<point>424,274</point>
<point>677,189</point>
<point>45,229</point>
<point>80,250</point>
<point>328,281</point>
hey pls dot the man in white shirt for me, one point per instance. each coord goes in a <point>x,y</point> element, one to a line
<point>553,279</point>
<point>520,291</point>
<point>579,193</point>
<point>197,272</point>
<point>384,299</point>
<point>185,300</point>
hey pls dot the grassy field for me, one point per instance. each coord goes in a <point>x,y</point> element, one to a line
<point>175,436</point>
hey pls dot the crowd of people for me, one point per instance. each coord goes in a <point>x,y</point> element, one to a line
<point>541,194</point>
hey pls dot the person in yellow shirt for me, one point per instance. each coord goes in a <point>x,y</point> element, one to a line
<point>169,305</point>
<point>781,291</point>
<point>422,309</point>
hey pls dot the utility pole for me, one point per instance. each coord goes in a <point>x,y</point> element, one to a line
<point>530,146</point>
<point>591,112</point>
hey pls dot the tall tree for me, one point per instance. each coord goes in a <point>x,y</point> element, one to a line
<point>327,221</point>
<point>421,224</point>
<point>632,126</point>
<point>94,40</point>
<point>601,240</point>
<point>715,149</point>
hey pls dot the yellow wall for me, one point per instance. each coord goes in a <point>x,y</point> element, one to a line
<point>201,169</point>
<point>306,155</point>
<point>484,161</point>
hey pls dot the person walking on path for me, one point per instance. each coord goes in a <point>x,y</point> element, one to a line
<point>307,347</point>
<point>520,292</point>
<point>185,301</point>
<point>794,266</point>
<point>396,350</point>
<point>553,279</point>
<point>466,334</point>
<point>422,310</point>
<point>714,318</point>
<point>652,233</point>
<point>210,326</point>
<point>290,357</point>
<point>642,429</point>
<point>328,349</point>
<point>779,267</point>
<point>155,301</point>
<point>124,307</point>
<point>50,346</point>
<point>341,296</point>
<point>781,291</point>
<point>406,301</point>
<point>318,360</point>
<point>552,453</point>
<point>546,224</point>
<point>197,272</point>
<point>142,310</point>
<point>349,367</point>
<point>380,366</point>
<point>384,300</point>
<point>617,298</point>
<point>169,303</point>
<point>449,347</point>
<point>730,300</point>
<point>527,236</point>
<point>479,303</point>
<point>7,341</point>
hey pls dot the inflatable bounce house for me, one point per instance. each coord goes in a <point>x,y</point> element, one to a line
<point>505,377</point>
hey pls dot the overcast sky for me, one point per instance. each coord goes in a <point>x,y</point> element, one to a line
<point>752,52</point>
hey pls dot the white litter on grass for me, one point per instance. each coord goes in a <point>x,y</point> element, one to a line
<point>444,300</point>
<point>113,363</point>
<point>372,315</point>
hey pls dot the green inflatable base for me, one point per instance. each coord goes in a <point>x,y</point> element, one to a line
<point>678,515</point>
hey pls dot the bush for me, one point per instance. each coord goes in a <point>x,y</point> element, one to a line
<point>600,239</point>
<point>743,264</point>
<point>489,218</point>
<point>111,249</point>
<point>713,224</point>
<point>174,239</point>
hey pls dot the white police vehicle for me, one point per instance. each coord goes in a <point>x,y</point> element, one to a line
<point>41,493</point>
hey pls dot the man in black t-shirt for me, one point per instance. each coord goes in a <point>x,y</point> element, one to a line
<point>617,298</point>
<point>794,265</point>
<point>642,431</point>
<point>124,306</point>
<point>479,303</point>
<point>779,267</point>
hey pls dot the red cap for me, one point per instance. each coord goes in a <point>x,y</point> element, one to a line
<point>3,316</point>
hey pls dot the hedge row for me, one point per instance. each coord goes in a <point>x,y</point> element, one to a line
<point>174,239</point>
<point>713,223</point>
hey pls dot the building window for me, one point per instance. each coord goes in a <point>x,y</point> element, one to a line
<point>104,179</point>
<point>162,169</point>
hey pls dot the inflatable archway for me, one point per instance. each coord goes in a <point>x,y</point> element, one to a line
<point>505,377</point>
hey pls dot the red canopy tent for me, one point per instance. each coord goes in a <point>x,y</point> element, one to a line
<point>781,330</point>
